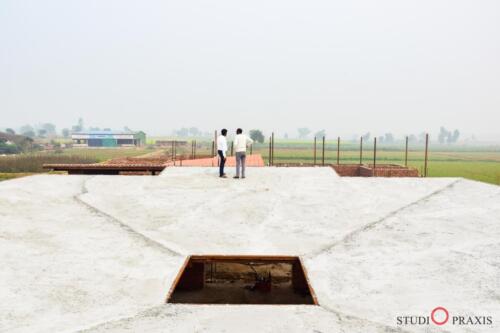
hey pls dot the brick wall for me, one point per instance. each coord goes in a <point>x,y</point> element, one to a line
<point>396,172</point>
<point>347,170</point>
<point>382,170</point>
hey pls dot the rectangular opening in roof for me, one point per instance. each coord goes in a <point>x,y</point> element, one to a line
<point>242,280</point>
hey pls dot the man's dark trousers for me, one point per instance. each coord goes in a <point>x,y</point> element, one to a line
<point>222,162</point>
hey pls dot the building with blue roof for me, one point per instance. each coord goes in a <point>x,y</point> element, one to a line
<point>108,139</point>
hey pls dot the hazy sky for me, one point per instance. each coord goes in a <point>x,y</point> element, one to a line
<point>346,66</point>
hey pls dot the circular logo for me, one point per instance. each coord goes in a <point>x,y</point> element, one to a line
<point>439,309</point>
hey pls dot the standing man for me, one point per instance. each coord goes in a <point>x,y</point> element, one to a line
<point>240,145</point>
<point>221,151</point>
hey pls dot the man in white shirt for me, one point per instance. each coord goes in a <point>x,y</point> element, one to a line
<point>221,151</point>
<point>240,147</point>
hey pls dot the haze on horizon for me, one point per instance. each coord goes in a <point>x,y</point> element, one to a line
<point>346,67</point>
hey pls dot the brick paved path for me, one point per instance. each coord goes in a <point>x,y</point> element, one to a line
<point>252,161</point>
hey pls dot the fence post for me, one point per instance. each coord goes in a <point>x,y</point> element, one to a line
<point>323,153</point>
<point>269,163</point>
<point>338,150</point>
<point>406,152</point>
<point>272,148</point>
<point>426,153</point>
<point>214,150</point>
<point>374,155</point>
<point>172,150</point>
<point>315,150</point>
<point>361,151</point>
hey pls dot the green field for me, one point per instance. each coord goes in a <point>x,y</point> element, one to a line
<point>12,175</point>
<point>480,163</point>
<point>477,163</point>
<point>33,162</point>
<point>102,154</point>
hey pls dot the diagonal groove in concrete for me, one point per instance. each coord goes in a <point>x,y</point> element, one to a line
<point>147,240</point>
<point>372,224</point>
<point>119,319</point>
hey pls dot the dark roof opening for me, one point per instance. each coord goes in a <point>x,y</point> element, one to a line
<point>242,280</point>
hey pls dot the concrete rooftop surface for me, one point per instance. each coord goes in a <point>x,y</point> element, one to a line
<point>100,253</point>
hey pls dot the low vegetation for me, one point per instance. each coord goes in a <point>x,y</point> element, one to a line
<point>12,175</point>
<point>476,163</point>
<point>33,163</point>
<point>480,163</point>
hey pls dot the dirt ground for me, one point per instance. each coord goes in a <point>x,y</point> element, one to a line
<point>238,292</point>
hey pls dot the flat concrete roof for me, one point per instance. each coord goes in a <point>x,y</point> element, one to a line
<point>99,253</point>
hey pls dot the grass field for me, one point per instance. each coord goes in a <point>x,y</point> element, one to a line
<point>478,163</point>
<point>12,175</point>
<point>101,155</point>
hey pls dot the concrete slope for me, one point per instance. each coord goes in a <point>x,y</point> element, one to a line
<point>274,210</point>
<point>99,253</point>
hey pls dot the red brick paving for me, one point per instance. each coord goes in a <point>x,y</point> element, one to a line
<point>252,161</point>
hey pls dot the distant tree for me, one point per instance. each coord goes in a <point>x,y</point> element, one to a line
<point>78,127</point>
<point>94,129</point>
<point>50,129</point>
<point>320,134</point>
<point>412,138</point>
<point>380,139</point>
<point>303,132</point>
<point>193,131</point>
<point>285,136</point>
<point>446,136</point>
<point>10,131</point>
<point>366,137</point>
<point>30,134</point>
<point>107,129</point>
<point>443,135</point>
<point>421,137</point>
<point>27,129</point>
<point>183,132</point>
<point>389,138</point>
<point>41,132</point>
<point>8,148</point>
<point>127,129</point>
<point>65,132</point>
<point>55,143</point>
<point>257,136</point>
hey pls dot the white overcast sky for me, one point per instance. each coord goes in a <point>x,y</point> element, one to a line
<point>345,66</point>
